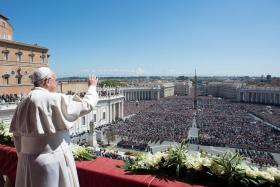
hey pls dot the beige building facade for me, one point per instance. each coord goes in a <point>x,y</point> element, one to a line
<point>167,90</point>
<point>18,61</point>
<point>226,90</point>
<point>183,88</point>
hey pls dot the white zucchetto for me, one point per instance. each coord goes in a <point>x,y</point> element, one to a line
<point>41,73</point>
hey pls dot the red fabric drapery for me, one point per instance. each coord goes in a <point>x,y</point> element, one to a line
<point>8,161</point>
<point>102,172</point>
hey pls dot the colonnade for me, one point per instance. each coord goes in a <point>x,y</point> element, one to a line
<point>132,95</point>
<point>262,96</point>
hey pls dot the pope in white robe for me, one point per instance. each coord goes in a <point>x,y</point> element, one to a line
<point>41,126</point>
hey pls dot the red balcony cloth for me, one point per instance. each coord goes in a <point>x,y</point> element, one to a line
<point>8,161</point>
<point>102,172</point>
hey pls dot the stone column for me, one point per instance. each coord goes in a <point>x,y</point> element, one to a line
<point>268,97</point>
<point>110,113</point>
<point>119,112</point>
<point>241,96</point>
<point>122,109</point>
<point>114,111</point>
<point>133,95</point>
<point>251,95</point>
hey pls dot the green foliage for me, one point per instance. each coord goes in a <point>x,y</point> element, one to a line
<point>182,78</point>
<point>229,169</point>
<point>6,137</point>
<point>110,135</point>
<point>81,153</point>
<point>177,159</point>
<point>110,83</point>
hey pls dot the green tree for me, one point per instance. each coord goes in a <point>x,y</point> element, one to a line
<point>110,135</point>
<point>110,83</point>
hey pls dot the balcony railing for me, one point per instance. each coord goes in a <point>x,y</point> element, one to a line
<point>102,172</point>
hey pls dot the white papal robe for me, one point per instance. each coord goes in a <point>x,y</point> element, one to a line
<point>40,127</point>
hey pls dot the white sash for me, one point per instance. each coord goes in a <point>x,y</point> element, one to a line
<point>45,144</point>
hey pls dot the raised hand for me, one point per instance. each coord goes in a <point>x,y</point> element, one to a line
<point>92,80</point>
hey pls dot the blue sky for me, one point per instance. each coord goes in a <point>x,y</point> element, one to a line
<point>152,37</point>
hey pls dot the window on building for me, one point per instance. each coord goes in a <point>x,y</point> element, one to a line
<point>19,80</point>
<point>104,115</point>
<point>18,56</point>
<point>6,78</point>
<point>43,57</point>
<point>30,79</point>
<point>94,118</point>
<point>5,36</point>
<point>84,120</point>
<point>31,58</point>
<point>5,56</point>
<point>19,77</point>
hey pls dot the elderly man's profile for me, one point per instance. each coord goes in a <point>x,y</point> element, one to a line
<point>40,127</point>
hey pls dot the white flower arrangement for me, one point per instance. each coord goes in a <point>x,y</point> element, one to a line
<point>6,137</point>
<point>81,152</point>
<point>228,167</point>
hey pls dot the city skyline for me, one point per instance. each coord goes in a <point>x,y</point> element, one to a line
<point>162,38</point>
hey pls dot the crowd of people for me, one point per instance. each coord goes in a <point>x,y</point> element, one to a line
<point>270,114</point>
<point>226,124</point>
<point>168,119</point>
<point>133,107</point>
<point>220,123</point>
<point>111,154</point>
<point>260,158</point>
<point>9,98</point>
<point>129,144</point>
